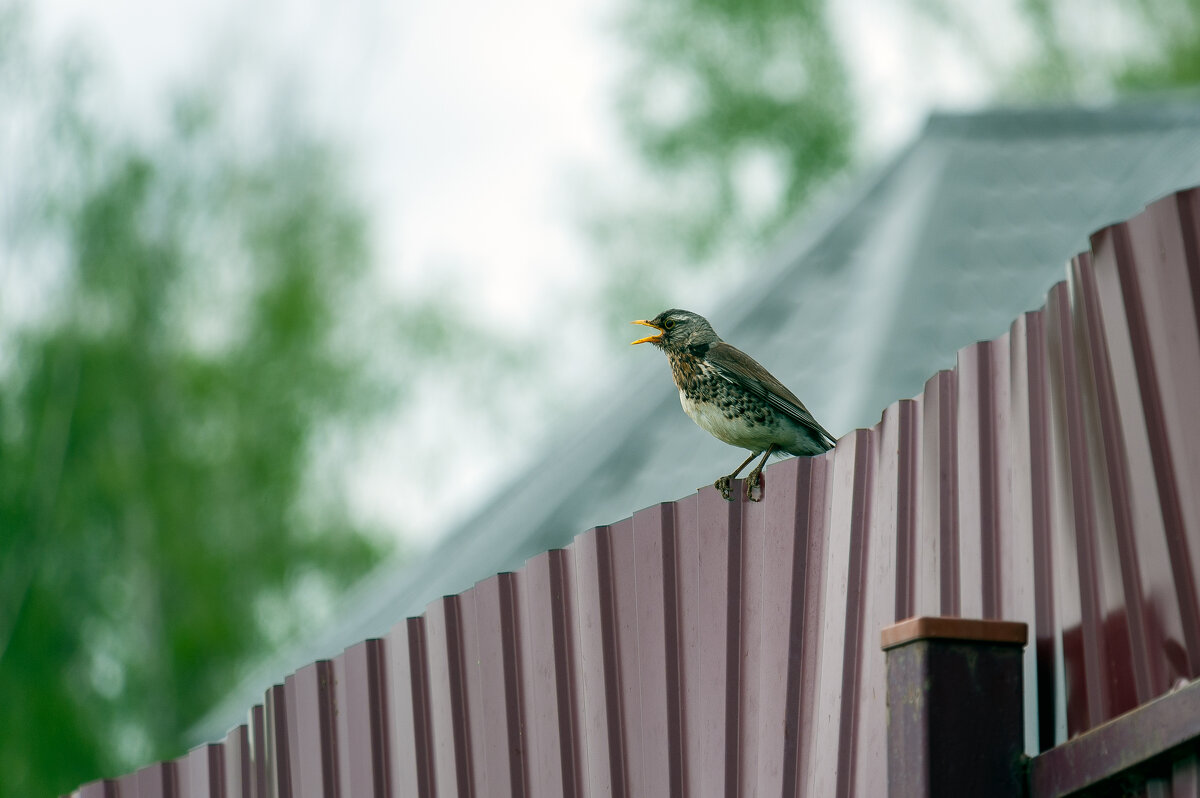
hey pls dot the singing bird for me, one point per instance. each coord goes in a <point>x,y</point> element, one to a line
<point>730,395</point>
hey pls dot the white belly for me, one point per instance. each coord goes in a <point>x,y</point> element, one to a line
<point>733,431</point>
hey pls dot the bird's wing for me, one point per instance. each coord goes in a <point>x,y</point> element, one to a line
<point>742,370</point>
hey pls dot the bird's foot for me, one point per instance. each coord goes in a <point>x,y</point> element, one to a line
<point>755,479</point>
<point>722,485</point>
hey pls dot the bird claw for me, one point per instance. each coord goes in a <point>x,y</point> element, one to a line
<point>755,479</point>
<point>722,485</point>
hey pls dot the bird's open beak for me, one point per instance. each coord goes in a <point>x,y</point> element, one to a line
<point>648,338</point>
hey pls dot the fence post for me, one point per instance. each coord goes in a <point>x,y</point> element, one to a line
<point>955,707</point>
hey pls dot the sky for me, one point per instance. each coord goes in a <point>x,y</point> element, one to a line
<point>471,125</point>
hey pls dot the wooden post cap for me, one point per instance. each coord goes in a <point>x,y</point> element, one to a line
<point>927,627</point>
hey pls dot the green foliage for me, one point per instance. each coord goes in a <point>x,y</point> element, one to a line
<point>159,518</point>
<point>737,110</point>
<point>721,93</point>
<point>1158,47</point>
<point>1173,62</point>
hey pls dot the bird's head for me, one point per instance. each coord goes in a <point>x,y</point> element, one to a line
<point>678,330</point>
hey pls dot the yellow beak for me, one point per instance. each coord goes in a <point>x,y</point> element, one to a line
<point>648,338</point>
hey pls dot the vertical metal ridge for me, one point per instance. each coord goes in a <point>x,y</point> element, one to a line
<point>766,671</point>
<point>753,634</point>
<point>978,561</point>
<point>510,629</point>
<point>311,723</point>
<point>1157,243</point>
<point>790,531</point>
<point>1031,502</point>
<point>1010,547</point>
<point>260,749</point>
<point>546,691</point>
<point>361,719</point>
<point>860,516</point>
<point>566,656</point>
<point>581,720</point>
<point>599,658</point>
<point>733,639</point>
<point>278,744</point>
<point>939,494</point>
<point>202,772</point>
<point>1186,219</point>
<point>1160,443</point>
<point>972,443</point>
<point>239,763</point>
<point>898,440</point>
<point>948,514</point>
<point>628,662</point>
<point>716,662</point>
<point>991,512</point>
<point>806,618</point>
<point>824,743</point>
<point>691,657</point>
<point>477,613</point>
<point>160,780</point>
<point>207,772</point>
<point>880,570</point>
<point>473,608</point>
<point>1088,655</point>
<point>1187,208</point>
<point>291,734</point>
<point>411,725</point>
<point>376,696</point>
<point>448,696</point>
<point>1115,668</point>
<point>674,673</point>
<point>1116,465</point>
<point>491,646</point>
<point>926,555</point>
<point>127,784</point>
<point>655,622</point>
<point>1180,281</point>
<point>102,788</point>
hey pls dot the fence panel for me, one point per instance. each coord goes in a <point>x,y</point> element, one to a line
<point>703,647</point>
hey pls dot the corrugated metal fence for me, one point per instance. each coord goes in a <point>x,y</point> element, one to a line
<point>703,647</point>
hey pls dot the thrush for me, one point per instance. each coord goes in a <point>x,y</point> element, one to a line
<point>730,395</point>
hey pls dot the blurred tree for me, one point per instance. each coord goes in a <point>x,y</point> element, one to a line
<point>1074,51</point>
<point>737,111</point>
<point>161,519</point>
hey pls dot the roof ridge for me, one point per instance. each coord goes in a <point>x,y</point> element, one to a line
<point>1040,119</point>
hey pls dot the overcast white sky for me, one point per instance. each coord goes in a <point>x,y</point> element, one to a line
<point>470,122</point>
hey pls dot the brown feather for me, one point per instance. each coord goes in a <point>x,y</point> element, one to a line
<point>741,369</point>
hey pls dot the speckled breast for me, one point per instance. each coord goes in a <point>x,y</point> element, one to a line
<point>722,408</point>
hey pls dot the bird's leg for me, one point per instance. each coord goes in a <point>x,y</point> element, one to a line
<point>722,484</point>
<point>755,479</point>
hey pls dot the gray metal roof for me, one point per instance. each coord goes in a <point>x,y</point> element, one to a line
<point>963,231</point>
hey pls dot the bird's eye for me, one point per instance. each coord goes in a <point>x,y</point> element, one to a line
<point>669,324</point>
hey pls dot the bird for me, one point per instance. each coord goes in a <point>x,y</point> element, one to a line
<point>728,394</point>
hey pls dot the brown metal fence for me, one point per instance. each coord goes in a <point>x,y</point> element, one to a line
<point>709,648</point>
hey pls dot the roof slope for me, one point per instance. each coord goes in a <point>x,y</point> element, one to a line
<point>964,230</point>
